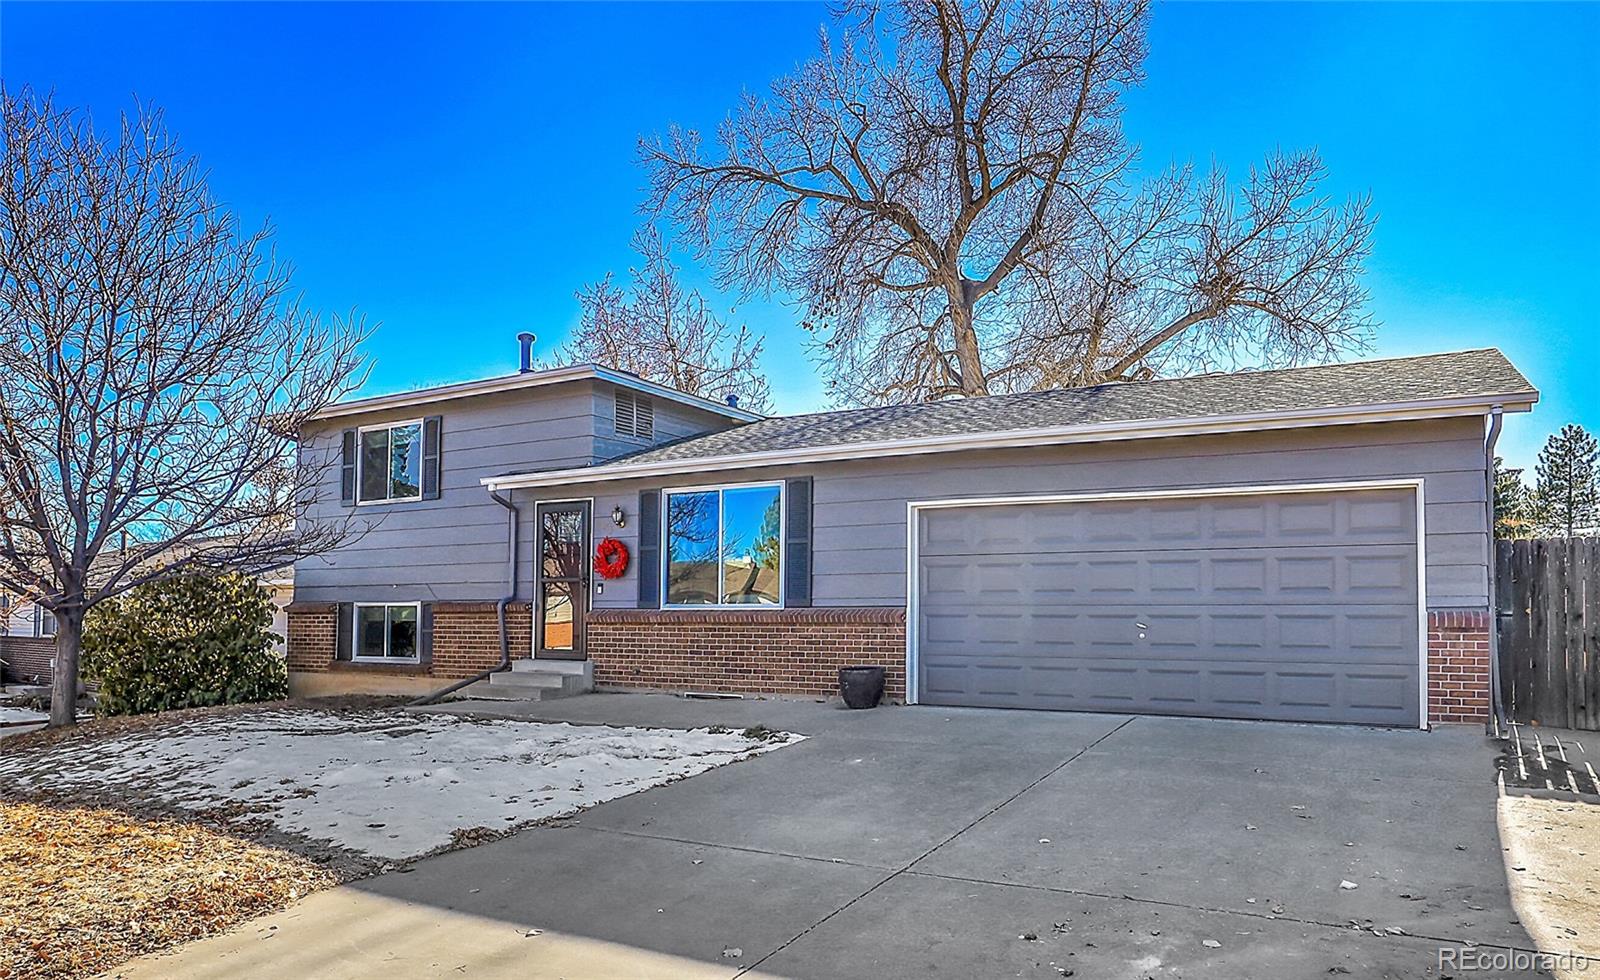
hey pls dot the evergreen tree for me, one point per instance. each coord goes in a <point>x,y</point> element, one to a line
<point>1568,490</point>
<point>1513,503</point>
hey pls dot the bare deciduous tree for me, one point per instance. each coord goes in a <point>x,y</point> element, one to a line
<point>153,372</point>
<point>947,191</point>
<point>665,333</point>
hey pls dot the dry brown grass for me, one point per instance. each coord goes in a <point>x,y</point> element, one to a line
<point>82,890</point>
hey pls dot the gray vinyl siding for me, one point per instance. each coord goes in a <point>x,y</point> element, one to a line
<point>859,544</point>
<point>454,548</point>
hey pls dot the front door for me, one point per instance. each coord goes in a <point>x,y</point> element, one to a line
<point>562,596</point>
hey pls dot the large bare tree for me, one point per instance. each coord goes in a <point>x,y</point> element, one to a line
<point>153,371</point>
<point>947,191</point>
<point>667,333</point>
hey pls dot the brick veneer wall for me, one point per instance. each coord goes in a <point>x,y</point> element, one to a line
<point>312,633</point>
<point>1458,665</point>
<point>466,638</point>
<point>788,651</point>
<point>28,657</point>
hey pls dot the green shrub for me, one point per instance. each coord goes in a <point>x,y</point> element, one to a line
<point>183,643</point>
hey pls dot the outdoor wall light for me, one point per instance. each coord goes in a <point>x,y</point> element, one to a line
<point>618,517</point>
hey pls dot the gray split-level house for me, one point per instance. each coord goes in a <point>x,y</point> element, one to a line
<point>1309,544</point>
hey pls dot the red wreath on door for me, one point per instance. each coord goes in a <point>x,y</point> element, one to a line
<point>610,558</point>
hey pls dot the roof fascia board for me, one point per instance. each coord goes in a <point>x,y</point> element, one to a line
<point>1057,435</point>
<point>538,379</point>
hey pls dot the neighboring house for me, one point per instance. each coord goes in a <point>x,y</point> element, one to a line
<point>1308,544</point>
<point>280,587</point>
<point>27,640</point>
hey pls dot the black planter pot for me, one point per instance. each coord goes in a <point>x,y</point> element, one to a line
<point>861,687</point>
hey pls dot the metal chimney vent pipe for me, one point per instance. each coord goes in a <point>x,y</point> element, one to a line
<point>526,340</point>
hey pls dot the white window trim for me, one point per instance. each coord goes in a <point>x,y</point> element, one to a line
<point>783,544</point>
<point>422,428</point>
<point>355,641</point>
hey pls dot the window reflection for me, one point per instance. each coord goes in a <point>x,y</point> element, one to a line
<point>405,461</point>
<point>561,543</point>
<point>724,547</point>
<point>750,527</point>
<point>692,548</point>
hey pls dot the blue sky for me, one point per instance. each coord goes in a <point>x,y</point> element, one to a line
<point>458,171</point>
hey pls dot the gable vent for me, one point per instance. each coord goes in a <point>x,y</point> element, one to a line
<point>635,415</point>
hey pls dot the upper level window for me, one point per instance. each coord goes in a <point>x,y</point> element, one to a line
<point>390,462</point>
<point>47,622</point>
<point>725,546</point>
<point>635,416</point>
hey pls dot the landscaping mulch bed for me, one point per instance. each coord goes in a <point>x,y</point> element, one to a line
<point>82,890</point>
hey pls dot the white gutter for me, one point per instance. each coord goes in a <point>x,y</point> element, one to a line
<point>1015,438</point>
<point>535,379</point>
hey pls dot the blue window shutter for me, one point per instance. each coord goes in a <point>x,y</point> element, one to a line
<point>432,451</point>
<point>344,642</point>
<point>797,542</point>
<point>347,468</point>
<point>649,549</point>
<point>425,635</point>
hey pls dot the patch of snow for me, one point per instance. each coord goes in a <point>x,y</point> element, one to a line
<point>387,784</point>
<point>21,716</point>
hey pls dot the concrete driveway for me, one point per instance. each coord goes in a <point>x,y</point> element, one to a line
<point>924,842</point>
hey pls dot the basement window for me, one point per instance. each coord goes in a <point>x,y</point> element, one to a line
<point>387,633</point>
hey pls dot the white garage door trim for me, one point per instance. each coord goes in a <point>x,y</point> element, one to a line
<point>915,507</point>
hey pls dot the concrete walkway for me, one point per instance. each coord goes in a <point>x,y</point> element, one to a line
<point>919,842</point>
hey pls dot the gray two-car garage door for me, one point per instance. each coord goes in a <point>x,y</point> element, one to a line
<point>1294,606</point>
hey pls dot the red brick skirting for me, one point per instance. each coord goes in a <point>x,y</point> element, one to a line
<point>760,651</point>
<point>466,639</point>
<point>28,658</point>
<point>774,651</point>
<point>311,635</point>
<point>1458,665</point>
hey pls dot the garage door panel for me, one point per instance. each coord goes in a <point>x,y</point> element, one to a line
<point>1270,521</point>
<point>1290,634</point>
<point>1300,607</point>
<point>1261,690</point>
<point>1370,574</point>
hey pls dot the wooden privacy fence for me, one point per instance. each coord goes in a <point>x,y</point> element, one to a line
<point>1548,593</point>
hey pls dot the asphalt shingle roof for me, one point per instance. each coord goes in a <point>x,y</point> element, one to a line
<point>1358,383</point>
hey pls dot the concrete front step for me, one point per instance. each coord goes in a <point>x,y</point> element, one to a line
<point>529,683</point>
<point>528,665</point>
